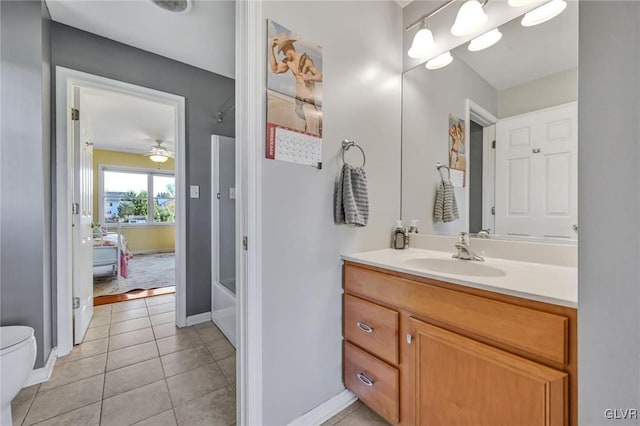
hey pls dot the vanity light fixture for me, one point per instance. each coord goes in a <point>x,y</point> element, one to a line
<point>487,39</point>
<point>440,61</point>
<point>423,43</point>
<point>544,13</point>
<point>470,19</point>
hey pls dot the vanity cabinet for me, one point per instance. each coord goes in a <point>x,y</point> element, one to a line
<point>424,352</point>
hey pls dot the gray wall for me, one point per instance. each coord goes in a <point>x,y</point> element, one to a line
<point>429,96</point>
<point>551,90</point>
<point>302,274</point>
<point>227,210</point>
<point>205,93</point>
<point>25,158</point>
<point>609,249</point>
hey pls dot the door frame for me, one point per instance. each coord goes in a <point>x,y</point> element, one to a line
<point>215,213</point>
<point>66,79</point>
<point>249,125</point>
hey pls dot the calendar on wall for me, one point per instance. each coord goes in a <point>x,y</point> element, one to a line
<point>294,98</point>
<point>294,147</point>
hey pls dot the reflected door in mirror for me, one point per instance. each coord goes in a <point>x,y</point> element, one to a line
<point>536,166</point>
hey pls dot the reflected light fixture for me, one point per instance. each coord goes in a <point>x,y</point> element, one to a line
<point>440,61</point>
<point>487,39</point>
<point>423,43</point>
<point>470,19</point>
<point>544,13</point>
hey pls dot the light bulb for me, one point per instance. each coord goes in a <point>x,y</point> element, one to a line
<point>158,158</point>
<point>470,18</point>
<point>487,39</point>
<point>439,61</point>
<point>544,13</point>
<point>422,45</point>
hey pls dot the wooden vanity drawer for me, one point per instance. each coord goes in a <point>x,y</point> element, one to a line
<point>375,382</point>
<point>372,327</point>
<point>536,332</point>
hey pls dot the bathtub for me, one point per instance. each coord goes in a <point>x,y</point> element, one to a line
<point>223,312</point>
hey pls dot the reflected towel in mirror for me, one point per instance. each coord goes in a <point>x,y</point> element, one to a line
<point>446,208</point>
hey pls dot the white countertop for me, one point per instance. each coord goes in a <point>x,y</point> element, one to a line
<point>535,281</point>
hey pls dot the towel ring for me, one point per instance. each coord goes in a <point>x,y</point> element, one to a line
<point>441,166</point>
<point>346,144</point>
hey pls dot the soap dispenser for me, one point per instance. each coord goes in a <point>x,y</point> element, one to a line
<point>400,238</point>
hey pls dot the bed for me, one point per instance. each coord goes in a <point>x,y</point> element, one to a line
<point>110,249</point>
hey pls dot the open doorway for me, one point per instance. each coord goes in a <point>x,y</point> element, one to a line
<point>481,134</point>
<point>125,237</point>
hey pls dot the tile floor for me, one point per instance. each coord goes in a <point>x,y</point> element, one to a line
<point>136,368</point>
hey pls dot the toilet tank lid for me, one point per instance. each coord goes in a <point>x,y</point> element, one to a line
<point>14,334</point>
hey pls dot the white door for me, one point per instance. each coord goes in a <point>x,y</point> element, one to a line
<point>82,231</point>
<point>536,173</point>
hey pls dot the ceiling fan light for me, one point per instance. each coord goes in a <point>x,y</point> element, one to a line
<point>158,158</point>
<point>486,40</point>
<point>470,19</point>
<point>423,44</point>
<point>175,6</point>
<point>440,61</point>
<point>544,13</point>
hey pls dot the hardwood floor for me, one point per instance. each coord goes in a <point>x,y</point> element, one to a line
<point>132,295</point>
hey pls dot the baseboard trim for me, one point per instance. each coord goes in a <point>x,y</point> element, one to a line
<point>199,318</point>
<point>326,410</point>
<point>43,374</point>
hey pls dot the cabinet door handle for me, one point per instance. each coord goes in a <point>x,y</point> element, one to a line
<point>364,379</point>
<point>364,327</point>
<point>536,150</point>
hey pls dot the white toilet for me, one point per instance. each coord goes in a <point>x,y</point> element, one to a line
<point>17,356</point>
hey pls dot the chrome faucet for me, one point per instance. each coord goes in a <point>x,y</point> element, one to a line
<point>464,249</point>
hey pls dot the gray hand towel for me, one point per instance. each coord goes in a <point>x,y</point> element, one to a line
<point>446,208</point>
<point>351,204</point>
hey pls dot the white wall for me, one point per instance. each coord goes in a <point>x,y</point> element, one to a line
<point>429,97</point>
<point>609,208</point>
<point>302,275</point>
<point>551,90</point>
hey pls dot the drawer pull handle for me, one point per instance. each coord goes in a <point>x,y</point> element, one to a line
<point>364,379</point>
<point>364,327</point>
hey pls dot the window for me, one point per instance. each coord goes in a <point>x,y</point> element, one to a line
<point>136,196</point>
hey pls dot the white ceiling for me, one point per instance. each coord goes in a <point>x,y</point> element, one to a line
<point>121,122</point>
<point>204,37</point>
<point>527,53</point>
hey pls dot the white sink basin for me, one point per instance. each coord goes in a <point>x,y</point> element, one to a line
<point>455,266</point>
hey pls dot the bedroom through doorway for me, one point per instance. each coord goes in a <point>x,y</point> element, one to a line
<point>134,195</point>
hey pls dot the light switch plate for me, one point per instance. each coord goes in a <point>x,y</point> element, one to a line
<point>195,191</point>
<point>232,193</point>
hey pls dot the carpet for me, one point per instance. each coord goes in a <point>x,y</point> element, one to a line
<point>145,271</point>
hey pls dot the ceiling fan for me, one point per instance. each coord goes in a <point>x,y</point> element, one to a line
<point>158,153</point>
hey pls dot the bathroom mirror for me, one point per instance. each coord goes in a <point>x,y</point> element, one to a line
<point>506,118</point>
